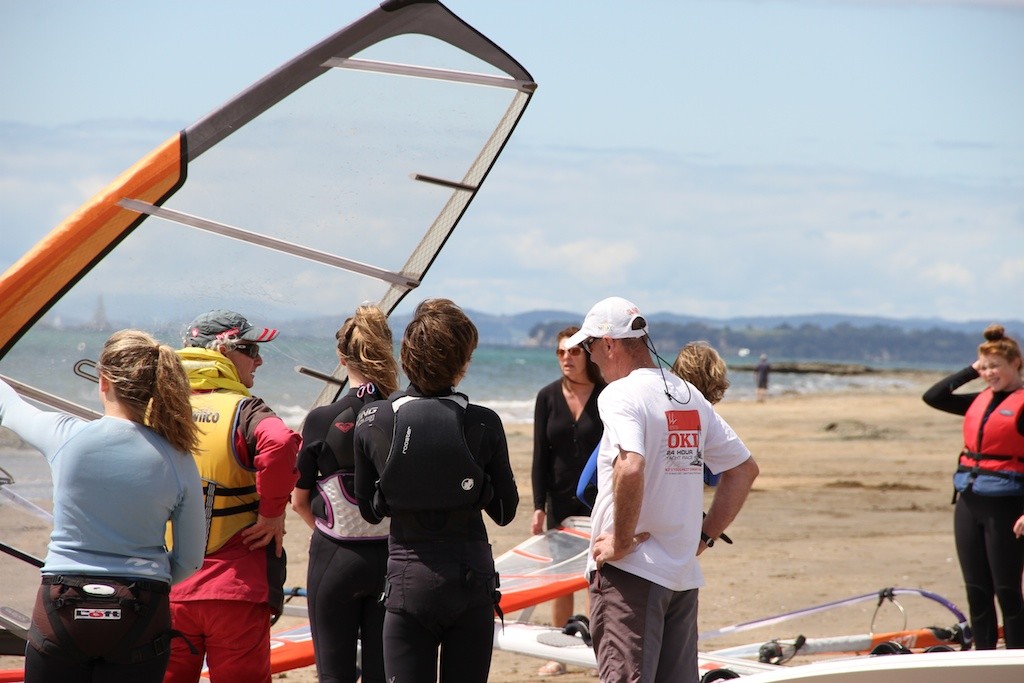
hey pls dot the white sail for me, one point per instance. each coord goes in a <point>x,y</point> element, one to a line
<point>334,180</point>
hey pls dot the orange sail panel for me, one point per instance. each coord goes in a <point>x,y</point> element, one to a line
<point>58,260</point>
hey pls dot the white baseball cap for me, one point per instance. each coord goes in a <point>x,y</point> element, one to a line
<point>613,317</point>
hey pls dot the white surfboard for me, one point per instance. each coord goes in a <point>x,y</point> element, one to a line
<point>971,666</point>
<point>549,643</point>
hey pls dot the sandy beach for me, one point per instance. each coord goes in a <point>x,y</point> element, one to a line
<point>853,497</point>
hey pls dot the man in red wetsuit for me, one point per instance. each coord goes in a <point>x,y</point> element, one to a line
<point>246,458</point>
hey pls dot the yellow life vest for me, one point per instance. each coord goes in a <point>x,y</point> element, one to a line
<point>229,487</point>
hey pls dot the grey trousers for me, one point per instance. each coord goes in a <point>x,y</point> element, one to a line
<point>643,632</point>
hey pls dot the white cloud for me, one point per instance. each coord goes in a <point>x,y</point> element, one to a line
<point>948,275</point>
<point>582,258</point>
<point>724,241</point>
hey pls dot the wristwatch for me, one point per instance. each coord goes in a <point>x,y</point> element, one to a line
<point>708,541</point>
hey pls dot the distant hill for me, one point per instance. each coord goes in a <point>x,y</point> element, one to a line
<point>518,329</point>
<point>874,341</point>
<point>871,340</point>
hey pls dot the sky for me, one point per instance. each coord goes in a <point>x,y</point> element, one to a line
<point>716,158</point>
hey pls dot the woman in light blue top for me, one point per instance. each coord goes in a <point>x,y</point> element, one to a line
<point>102,610</point>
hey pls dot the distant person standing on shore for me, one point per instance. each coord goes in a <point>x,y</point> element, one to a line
<point>761,372</point>
<point>989,486</point>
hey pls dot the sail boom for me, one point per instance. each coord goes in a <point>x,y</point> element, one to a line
<point>271,243</point>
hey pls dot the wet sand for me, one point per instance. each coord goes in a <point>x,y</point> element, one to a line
<point>853,497</point>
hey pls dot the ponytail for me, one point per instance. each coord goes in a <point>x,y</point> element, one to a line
<point>170,411</point>
<point>150,383</point>
<point>365,342</point>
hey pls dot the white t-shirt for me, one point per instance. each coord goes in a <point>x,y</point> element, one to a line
<point>675,439</point>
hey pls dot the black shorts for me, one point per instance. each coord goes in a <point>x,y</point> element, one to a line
<point>114,619</point>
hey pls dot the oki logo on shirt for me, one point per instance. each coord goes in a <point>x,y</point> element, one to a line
<point>684,454</point>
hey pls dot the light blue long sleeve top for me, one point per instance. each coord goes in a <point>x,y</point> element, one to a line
<point>116,483</point>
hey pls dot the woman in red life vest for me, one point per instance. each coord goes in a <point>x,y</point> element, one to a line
<point>989,486</point>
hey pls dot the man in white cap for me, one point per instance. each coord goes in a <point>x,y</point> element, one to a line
<point>659,431</point>
<point>246,458</point>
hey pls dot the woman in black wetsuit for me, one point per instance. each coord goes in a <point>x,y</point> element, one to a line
<point>989,486</point>
<point>347,556</point>
<point>432,461</point>
<point>566,428</point>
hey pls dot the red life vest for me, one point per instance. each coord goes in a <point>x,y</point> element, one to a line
<point>997,447</point>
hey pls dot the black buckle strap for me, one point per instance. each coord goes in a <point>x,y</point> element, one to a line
<point>988,456</point>
<point>227,491</point>
<point>225,512</point>
<point>133,583</point>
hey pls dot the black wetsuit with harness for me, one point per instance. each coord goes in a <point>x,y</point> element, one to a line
<point>433,463</point>
<point>988,502</point>
<point>347,558</point>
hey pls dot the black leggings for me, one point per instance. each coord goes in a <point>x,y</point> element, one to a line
<point>440,602</point>
<point>992,561</point>
<point>344,583</point>
<point>40,668</point>
<point>465,647</point>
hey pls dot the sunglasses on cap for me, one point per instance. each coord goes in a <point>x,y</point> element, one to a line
<point>572,351</point>
<point>251,350</point>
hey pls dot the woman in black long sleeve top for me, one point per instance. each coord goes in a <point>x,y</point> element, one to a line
<point>989,486</point>
<point>566,429</point>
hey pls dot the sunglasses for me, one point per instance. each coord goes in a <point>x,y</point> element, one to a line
<point>587,342</point>
<point>571,351</point>
<point>251,350</point>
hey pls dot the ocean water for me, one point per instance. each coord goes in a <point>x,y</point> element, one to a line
<point>505,379</point>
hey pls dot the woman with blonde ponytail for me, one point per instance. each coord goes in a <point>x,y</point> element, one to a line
<point>118,481</point>
<point>347,555</point>
<point>149,380</point>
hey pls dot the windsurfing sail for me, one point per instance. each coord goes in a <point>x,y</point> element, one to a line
<point>882,597</point>
<point>761,658</point>
<point>544,566</point>
<point>334,180</point>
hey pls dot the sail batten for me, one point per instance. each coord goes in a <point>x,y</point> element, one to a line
<point>455,185</point>
<point>270,243</point>
<point>429,72</point>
